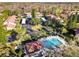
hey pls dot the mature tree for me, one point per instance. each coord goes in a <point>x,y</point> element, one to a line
<point>72,22</point>
<point>33,13</point>
<point>6,13</point>
<point>71,26</point>
<point>2,32</point>
<point>58,11</point>
<point>15,12</point>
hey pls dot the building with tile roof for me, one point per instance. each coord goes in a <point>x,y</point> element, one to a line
<point>10,23</point>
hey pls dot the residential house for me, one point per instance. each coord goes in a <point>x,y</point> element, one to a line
<point>32,46</point>
<point>10,23</point>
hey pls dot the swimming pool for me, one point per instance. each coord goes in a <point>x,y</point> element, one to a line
<point>51,42</point>
<point>55,41</point>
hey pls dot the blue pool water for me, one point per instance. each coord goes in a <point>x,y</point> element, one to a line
<point>55,41</point>
<point>50,43</point>
<point>47,44</point>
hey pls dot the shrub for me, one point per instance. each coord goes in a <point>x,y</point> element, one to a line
<point>7,50</point>
<point>71,52</point>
